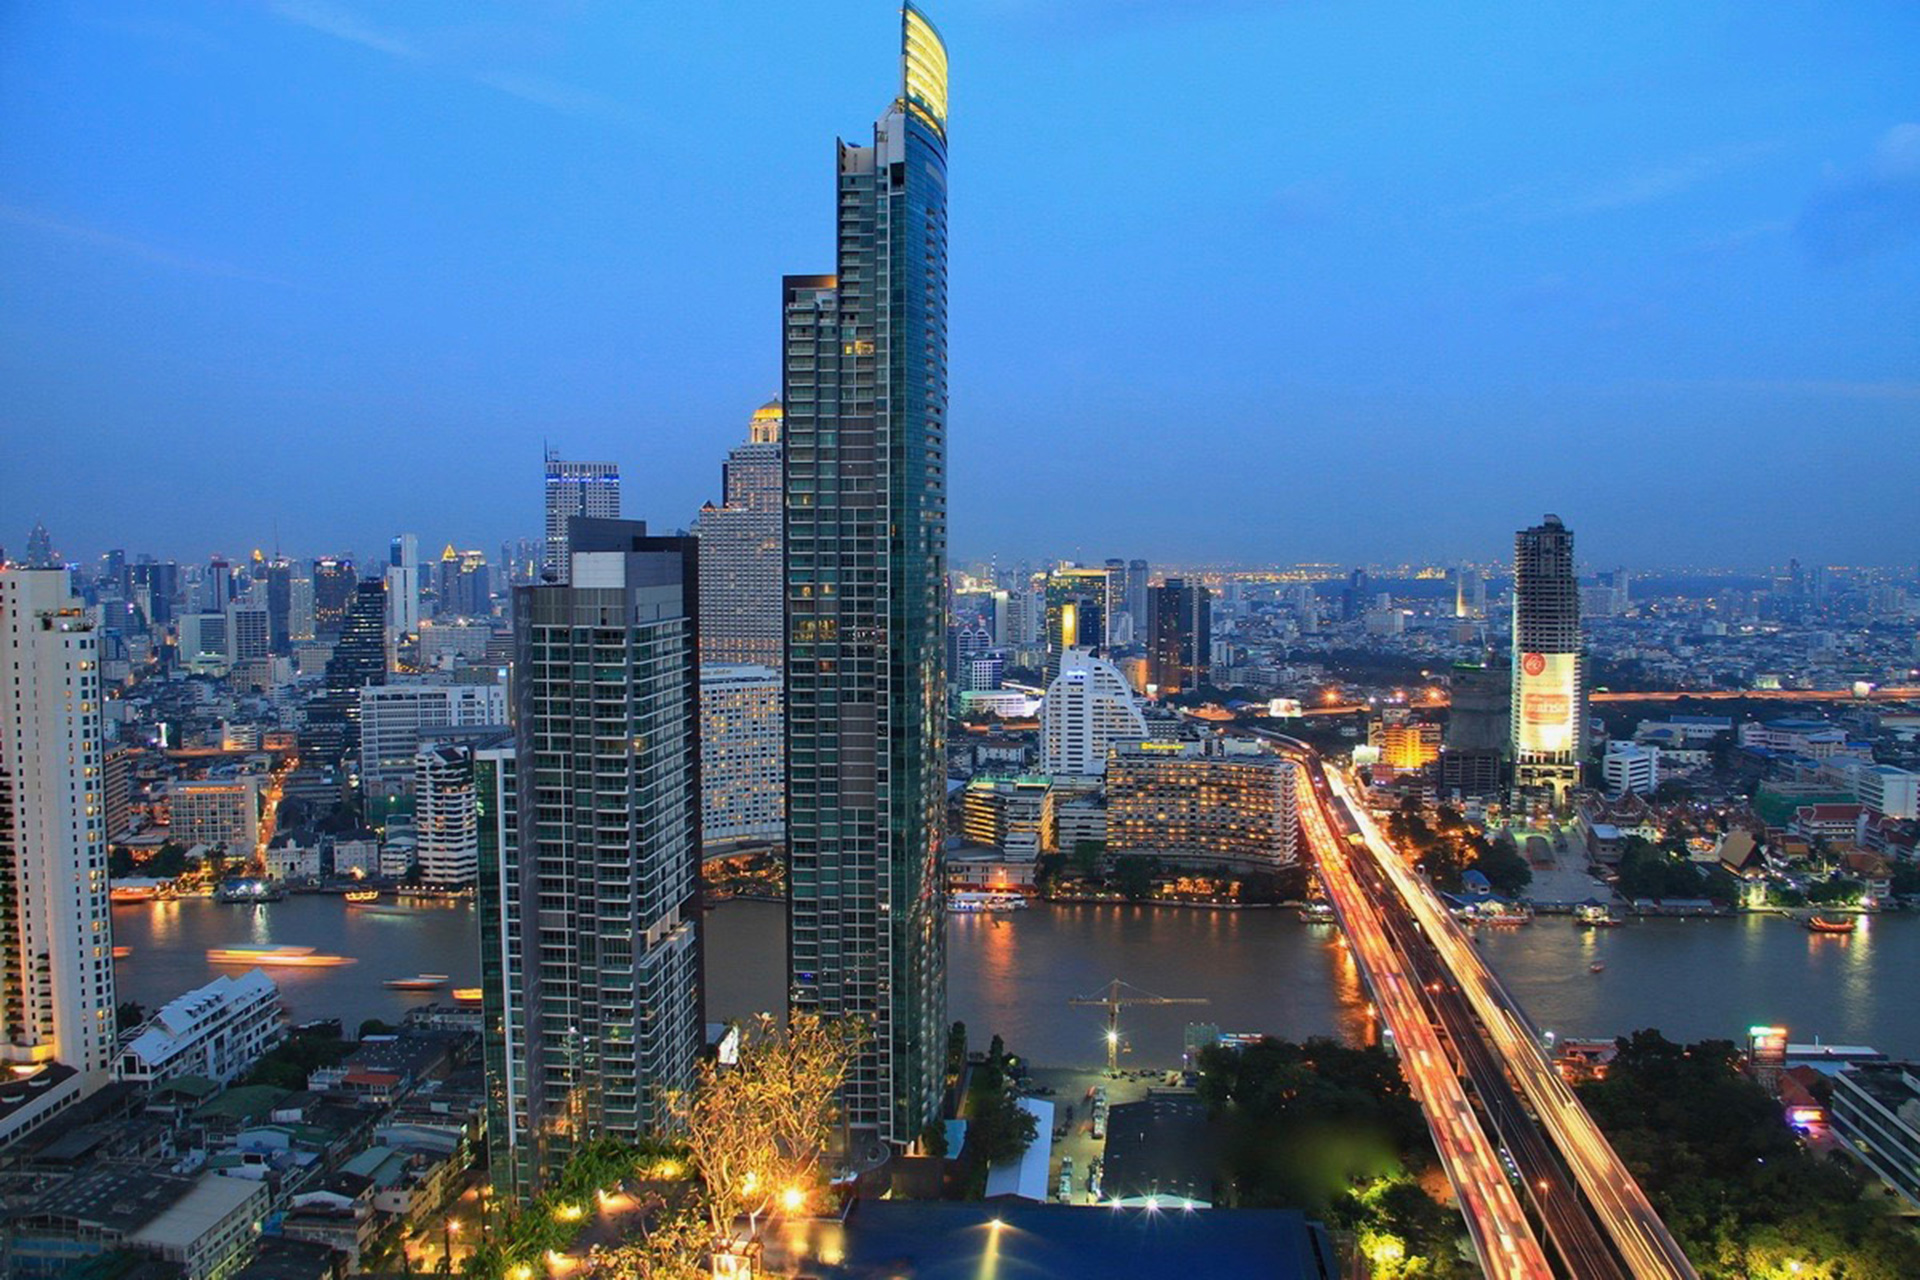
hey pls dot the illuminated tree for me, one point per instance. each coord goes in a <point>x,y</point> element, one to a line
<point>758,1129</point>
<point>672,1246</point>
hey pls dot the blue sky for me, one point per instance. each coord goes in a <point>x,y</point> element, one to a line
<point>1231,280</point>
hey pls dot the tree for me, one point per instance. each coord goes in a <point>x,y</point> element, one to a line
<point>127,1015</point>
<point>956,1050</point>
<point>999,1128</point>
<point>757,1130</point>
<point>1133,875</point>
<point>375,1027</point>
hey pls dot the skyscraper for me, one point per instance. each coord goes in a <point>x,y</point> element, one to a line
<point>56,943</point>
<point>359,659</point>
<point>333,584</point>
<point>1076,613</point>
<point>40,553</point>
<point>740,560</point>
<point>865,392</point>
<point>590,489</point>
<point>742,782</point>
<point>1088,708</point>
<point>1179,636</point>
<point>1137,595</point>
<point>598,926</point>
<point>445,821</point>
<point>280,604</point>
<point>403,587</point>
<point>1549,720</point>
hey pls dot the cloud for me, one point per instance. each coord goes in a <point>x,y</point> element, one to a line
<point>332,20</point>
<point>1869,210</point>
<point>1540,201</point>
<point>126,245</point>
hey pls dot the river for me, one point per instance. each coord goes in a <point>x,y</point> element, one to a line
<point>1260,971</point>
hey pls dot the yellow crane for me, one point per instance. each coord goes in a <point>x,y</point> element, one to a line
<point>1111,1000</point>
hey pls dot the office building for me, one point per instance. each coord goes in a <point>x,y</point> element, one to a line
<point>1013,815</point>
<point>1196,804</point>
<point>1137,593</point>
<point>359,659</point>
<point>599,926</point>
<point>396,718</point>
<point>220,813</point>
<point>333,585</point>
<point>1076,613</point>
<point>40,552</point>
<point>452,642</point>
<point>1088,708</point>
<point>203,641</point>
<point>1179,637</point>
<point>590,489</point>
<point>1407,744</point>
<point>280,575</point>
<point>463,586</point>
<point>300,611</point>
<point>249,633</point>
<point>865,393</point>
<point>742,742</point>
<point>1628,767</point>
<point>1888,791</point>
<point>403,601</point>
<point>446,823</point>
<point>511,1144</point>
<point>740,559</point>
<point>1549,705</point>
<point>216,1031</point>
<point>1469,592</point>
<point>56,943</point>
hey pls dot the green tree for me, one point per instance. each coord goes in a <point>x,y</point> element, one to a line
<point>999,1128</point>
<point>1133,876</point>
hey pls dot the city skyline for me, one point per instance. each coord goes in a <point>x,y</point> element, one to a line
<point>1739,290</point>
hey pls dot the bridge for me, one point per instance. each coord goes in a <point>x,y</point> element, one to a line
<point>1529,1162</point>
<point>1891,693</point>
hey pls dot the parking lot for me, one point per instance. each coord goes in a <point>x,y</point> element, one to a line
<point>1070,1088</point>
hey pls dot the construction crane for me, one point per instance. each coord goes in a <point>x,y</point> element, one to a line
<point>1111,999</point>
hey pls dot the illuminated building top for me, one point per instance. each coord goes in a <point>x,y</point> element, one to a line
<point>923,60</point>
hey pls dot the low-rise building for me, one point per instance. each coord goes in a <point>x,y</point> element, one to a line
<point>1875,1110</point>
<point>223,813</point>
<point>1013,815</point>
<point>1192,803</point>
<point>216,1031</point>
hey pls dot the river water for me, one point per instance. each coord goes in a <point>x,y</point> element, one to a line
<point>1259,971</point>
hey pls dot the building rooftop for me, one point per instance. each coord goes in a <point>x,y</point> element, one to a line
<point>210,1201</point>
<point>116,1198</point>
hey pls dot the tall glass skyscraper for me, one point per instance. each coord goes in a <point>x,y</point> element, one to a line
<point>590,489</point>
<point>865,393</point>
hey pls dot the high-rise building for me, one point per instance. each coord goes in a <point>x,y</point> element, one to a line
<point>403,586</point>
<point>56,940</point>
<point>742,782</point>
<point>511,1142</point>
<point>359,659</point>
<point>740,559</point>
<point>1076,603</point>
<point>158,583</point>
<point>1548,710</point>
<point>1198,804</point>
<point>397,717</point>
<point>1089,707</point>
<point>333,585</point>
<point>301,625</point>
<point>446,823</point>
<point>865,393</point>
<point>249,633</point>
<point>1179,636</point>
<point>221,813</point>
<point>1469,592</point>
<point>280,604</point>
<point>1137,594</point>
<point>465,587</point>
<point>599,925</point>
<point>590,489</point>
<point>40,553</point>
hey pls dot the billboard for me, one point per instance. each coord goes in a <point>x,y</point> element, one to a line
<point>1548,707</point>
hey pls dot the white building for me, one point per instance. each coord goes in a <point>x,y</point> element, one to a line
<point>740,552</point>
<point>575,489</point>
<point>403,600</point>
<point>356,857</point>
<point>448,641</point>
<point>1629,767</point>
<point>1089,707</point>
<point>217,1031</point>
<point>221,812</point>
<point>1887,791</point>
<point>56,943</point>
<point>292,862</point>
<point>249,637</point>
<point>396,718</point>
<point>742,784</point>
<point>445,822</point>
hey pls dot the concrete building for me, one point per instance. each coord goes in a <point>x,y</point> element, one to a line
<point>216,1031</point>
<point>740,552</point>
<point>1887,791</point>
<point>1076,617</point>
<point>1549,723</point>
<point>1088,708</point>
<point>742,744</point>
<point>1195,804</point>
<point>449,642</point>
<point>598,927</point>
<point>446,824</point>
<point>1629,767</point>
<point>864,386</point>
<point>56,943</point>
<point>1875,1111</point>
<point>222,813</point>
<point>1179,636</point>
<point>1013,815</point>
<point>590,489</point>
<point>396,718</point>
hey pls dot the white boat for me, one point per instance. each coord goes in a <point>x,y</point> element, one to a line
<point>975,901</point>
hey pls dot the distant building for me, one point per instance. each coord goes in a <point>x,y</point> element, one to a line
<point>359,659</point>
<point>740,552</point>
<point>396,718</point>
<point>222,813</point>
<point>56,973</point>
<point>333,586</point>
<point>216,1031</point>
<point>1629,767</point>
<point>590,489</point>
<point>1076,604</point>
<point>1088,708</point>
<point>1888,792</point>
<point>1179,637</point>
<point>1407,744</point>
<point>1191,803</point>
<point>742,744</point>
<point>464,586</point>
<point>1013,815</point>
<point>446,827</point>
<point>1549,701</point>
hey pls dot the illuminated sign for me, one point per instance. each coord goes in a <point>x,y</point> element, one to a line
<point>1548,706</point>
<point>924,59</point>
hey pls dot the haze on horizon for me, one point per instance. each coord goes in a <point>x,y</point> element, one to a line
<point>1232,281</point>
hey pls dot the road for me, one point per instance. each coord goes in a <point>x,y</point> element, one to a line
<point>1502,1236</point>
<point>1614,1198</point>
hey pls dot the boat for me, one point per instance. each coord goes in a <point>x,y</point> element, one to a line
<point>425,982</point>
<point>973,902</point>
<point>1592,915</point>
<point>466,995</point>
<point>1832,924</point>
<point>121,953</point>
<point>362,895</point>
<point>1598,966</point>
<point>249,891</point>
<point>1317,913</point>
<point>285,957</point>
<point>1503,915</point>
<point>133,891</point>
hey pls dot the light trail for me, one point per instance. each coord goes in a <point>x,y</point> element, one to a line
<point>1495,1219</point>
<point>1648,1248</point>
